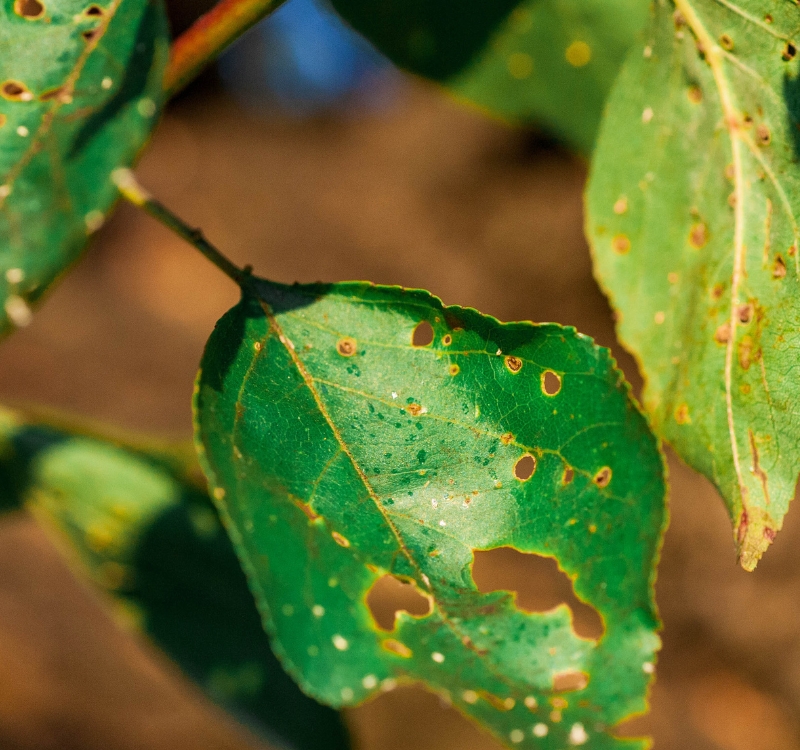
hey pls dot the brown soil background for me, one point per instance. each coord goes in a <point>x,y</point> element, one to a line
<point>424,194</point>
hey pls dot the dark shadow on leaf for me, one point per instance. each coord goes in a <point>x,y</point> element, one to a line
<point>791,95</point>
<point>134,83</point>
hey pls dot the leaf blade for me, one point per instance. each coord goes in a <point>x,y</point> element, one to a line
<point>81,91</point>
<point>301,396</point>
<point>705,240</point>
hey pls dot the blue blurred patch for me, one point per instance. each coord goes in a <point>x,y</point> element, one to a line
<point>304,60</point>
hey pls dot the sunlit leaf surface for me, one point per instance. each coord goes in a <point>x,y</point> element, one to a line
<point>353,431</point>
<point>692,214</point>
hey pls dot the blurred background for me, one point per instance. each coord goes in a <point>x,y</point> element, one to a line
<point>306,154</point>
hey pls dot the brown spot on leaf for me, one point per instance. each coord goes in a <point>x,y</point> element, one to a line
<point>89,35</point>
<point>789,51</point>
<point>30,9</point>
<point>569,681</point>
<point>514,364</point>
<point>525,467</point>
<point>726,42</point>
<point>15,91</point>
<point>757,470</point>
<point>698,235</point>
<point>741,531</point>
<point>447,339</point>
<point>414,409</point>
<point>717,291</point>
<point>340,540</point>
<point>745,313</point>
<point>745,352</point>
<point>347,346</point>
<point>723,334</point>
<point>507,438</point>
<point>621,205</point>
<point>695,94</point>
<point>682,414</point>
<point>94,10</point>
<point>603,477</point>
<point>778,268</point>
<point>621,244</point>
<point>569,475</point>
<point>501,704</point>
<point>763,135</point>
<point>730,171</point>
<point>395,647</point>
<point>308,510</point>
<point>423,334</point>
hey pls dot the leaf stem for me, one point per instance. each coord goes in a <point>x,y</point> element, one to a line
<point>133,192</point>
<point>209,35</point>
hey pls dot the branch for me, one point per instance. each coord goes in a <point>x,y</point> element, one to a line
<point>132,191</point>
<point>209,35</point>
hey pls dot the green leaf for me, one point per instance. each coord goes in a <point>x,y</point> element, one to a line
<point>80,91</point>
<point>692,217</point>
<point>352,431</point>
<point>548,62</point>
<point>138,524</point>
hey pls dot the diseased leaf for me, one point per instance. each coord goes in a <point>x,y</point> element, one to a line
<point>352,431</point>
<point>692,217</point>
<point>80,91</point>
<point>138,523</point>
<point>549,62</point>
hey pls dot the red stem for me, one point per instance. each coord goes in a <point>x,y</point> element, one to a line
<point>209,35</point>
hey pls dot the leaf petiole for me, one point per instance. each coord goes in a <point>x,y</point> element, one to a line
<point>133,192</point>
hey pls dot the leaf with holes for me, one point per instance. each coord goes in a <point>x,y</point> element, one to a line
<point>353,431</point>
<point>137,522</point>
<point>691,214</point>
<point>549,62</point>
<point>80,89</point>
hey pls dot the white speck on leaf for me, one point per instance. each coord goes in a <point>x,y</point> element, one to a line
<point>340,643</point>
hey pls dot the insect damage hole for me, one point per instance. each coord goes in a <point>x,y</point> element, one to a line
<point>789,51</point>
<point>603,477</point>
<point>423,334</point>
<point>390,595</point>
<point>539,584</point>
<point>525,467</point>
<point>30,9</point>
<point>94,10</point>
<point>551,383</point>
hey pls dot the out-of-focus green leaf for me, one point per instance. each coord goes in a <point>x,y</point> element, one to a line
<point>352,431</point>
<point>142,528</point>
<point>693,217</point>
<point>80,91</point>
<point>547,62</point>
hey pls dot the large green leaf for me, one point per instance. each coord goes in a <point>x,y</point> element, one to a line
<point>550,62</point>
<point>692,218</point>
<point>80,90</point>
<point>137,522</point>
<point>352,431</point>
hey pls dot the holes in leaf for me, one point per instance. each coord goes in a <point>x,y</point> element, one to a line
<point>603,477</point>
<point>525,467</point>
<point>30,9</point>
<point>89,35</point>
<point>538,583</point>
<point>94,10</point>
<point>778,268</point>
<point>726,42</point>
<point>390,595</point>
<point>514,364</point>
<point>15,91</point>
<point>423,334</point>
<point>551,383</point>
<point>347,346</point>
<point>789,51</point>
